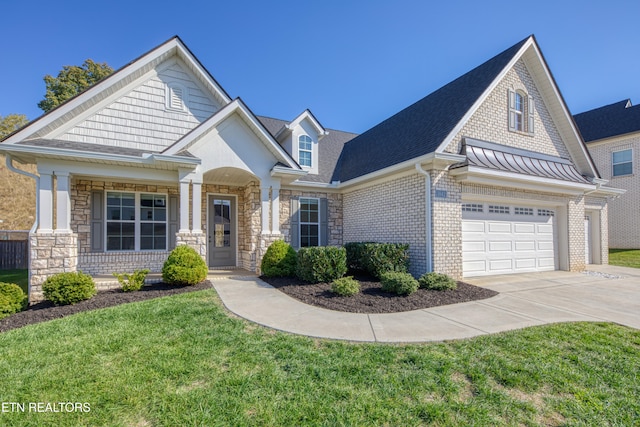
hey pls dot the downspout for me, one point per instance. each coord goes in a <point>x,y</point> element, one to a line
<point>9,162</point>
<point>428,232</point>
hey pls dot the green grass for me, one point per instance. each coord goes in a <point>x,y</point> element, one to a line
<point>625,257</point>
<point>19,277</point>
<point>182,360</point>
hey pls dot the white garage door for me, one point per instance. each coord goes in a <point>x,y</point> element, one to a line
<point>502,239</point>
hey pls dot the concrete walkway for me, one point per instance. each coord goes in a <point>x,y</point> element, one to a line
<point>606,293</point>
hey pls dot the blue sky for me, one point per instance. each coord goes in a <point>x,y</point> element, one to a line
<point>352,63</point>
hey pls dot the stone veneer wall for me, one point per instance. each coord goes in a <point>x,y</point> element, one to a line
<point>389,211</point>
<point>51,253</point>
<point>334,222</point>
<point>106,263</point>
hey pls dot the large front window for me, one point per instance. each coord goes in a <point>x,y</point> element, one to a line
<point>309,222</point>
<point>136,221</point>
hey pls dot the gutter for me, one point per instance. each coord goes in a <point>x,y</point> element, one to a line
<point>9,162</point>
<point>428,232</point>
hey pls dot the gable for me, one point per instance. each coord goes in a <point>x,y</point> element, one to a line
<point>490,121</point>
<point>235,146</point>
<point>143,118</point>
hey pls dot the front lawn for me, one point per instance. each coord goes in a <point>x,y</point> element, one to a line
<point>182,360</point>
<point>625,257</point>
<point>19,277</point>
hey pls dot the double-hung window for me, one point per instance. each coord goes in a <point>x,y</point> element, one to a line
<point>136,221</point>
<point>622,162</point>
<point>305,144</point>
<point>309,222</point>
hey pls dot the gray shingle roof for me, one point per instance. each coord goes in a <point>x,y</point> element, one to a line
<point>420,128</point>
<point>611,120</point>
<point>84,146</point>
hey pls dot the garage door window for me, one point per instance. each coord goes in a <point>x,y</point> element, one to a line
<point>545,212</point>
<point>472,207</point>
<point>523,211</point>
<point>499,209</point>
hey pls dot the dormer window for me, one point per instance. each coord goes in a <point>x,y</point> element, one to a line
<point>176,97</point>
<point>521,112</point>
<point>305,145</point>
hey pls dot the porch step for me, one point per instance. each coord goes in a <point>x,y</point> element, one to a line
<point>221,274</point>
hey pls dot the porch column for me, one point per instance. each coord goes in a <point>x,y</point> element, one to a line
<point>45,195</point>
<point>264,197</point>
<point>196,224</point>
<point>184,207</point>
<point>63,203</point>
<point>275,208</point>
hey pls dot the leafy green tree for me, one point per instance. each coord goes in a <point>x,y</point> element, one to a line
<point>72,80</point>
<point>11,123</point>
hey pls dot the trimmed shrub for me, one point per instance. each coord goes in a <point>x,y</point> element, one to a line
<point>279,260</point>
<point>345,286</point>
<point>184,267</point>
<point>437,282</point>
<point>132,282</point>
<point>321,264</point>
<point>68,288</point>
<point>12,299</point>
<point>398,282</point>
<point>378,258</point>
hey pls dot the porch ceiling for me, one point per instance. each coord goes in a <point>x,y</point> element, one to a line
<point>229,176</point>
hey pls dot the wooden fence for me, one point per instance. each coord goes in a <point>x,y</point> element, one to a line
<point>14,254</point>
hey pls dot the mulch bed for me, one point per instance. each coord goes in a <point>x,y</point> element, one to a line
<point>372,299</point>
<point>45,310</point>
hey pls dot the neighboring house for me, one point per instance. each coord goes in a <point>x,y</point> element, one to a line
<point>612,134</point>
<point>487,175</point>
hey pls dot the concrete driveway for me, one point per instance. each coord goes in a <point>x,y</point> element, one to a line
<point>606,293</point>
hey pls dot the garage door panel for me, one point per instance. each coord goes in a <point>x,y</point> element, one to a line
<point>499,227</point>
<point>500,246</point>
<point>525,246</point>
<point>473,226</point>
<point>501,242</point>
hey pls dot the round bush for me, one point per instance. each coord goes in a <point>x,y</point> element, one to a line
<point>12,299</point>
<point>184,267</point>
<point>279,260</point>
<point>345,286</point>
<point>321,264</point>
<point>398,282</point>
<point>437,282</point>
<point>68,288</point>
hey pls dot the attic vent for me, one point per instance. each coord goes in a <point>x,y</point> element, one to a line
<point>176,97</point>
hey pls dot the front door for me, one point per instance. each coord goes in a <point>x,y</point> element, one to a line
<point>222,231</point>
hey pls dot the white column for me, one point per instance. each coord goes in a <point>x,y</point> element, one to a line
<point>275,209</point>
<point>184,207</point>
<point>196,224</point>
<point>264,197</point>
<point>45,219</point>
<point>63,203</point>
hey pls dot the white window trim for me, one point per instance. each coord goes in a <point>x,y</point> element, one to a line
<point>169,88</point>
<point>310,151</point>
<point>527,114</point>
<point>621,163</point>
<point>300,223</point>
<point>137,222</point>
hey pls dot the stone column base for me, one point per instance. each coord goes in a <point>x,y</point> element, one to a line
<point>51,253</point>
<point>197,241</point>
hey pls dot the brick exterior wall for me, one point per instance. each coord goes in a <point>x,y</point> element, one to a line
<point>446,224</point>
<point>391,211</point>
<point>624,211</point>
<point>490,121</point>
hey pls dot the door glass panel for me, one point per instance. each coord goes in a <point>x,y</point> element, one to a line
<point>222,223</point>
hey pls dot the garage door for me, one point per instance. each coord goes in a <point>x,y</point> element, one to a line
<point>502,239</point>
